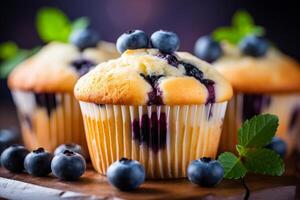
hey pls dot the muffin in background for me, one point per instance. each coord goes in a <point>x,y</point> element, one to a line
<point>265,84</point>
<point>42,89</point>
<point>162,109</point>
<point>264,79</point>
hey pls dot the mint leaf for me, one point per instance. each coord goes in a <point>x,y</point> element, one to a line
<point>7,66</point>
<point>264,161</point>
<point>242,25</point>
<point>226,34</point>
<point>242,18</point>
<point>258,131</point>
<point>8,50</point>
<point>80,23</point>
<point>233,167</point>
<point>53,25</point>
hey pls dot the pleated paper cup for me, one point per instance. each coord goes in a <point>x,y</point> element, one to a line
<point>245,106</point>
<point>49,119</point>
<point>165,139</point>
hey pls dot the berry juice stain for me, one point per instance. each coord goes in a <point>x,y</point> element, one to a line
<point>46,101</point>
<point>155,96</point>
<point>295,118</point>
<point>82,66</point>
<point>253,105</point>
<point>151,131</point>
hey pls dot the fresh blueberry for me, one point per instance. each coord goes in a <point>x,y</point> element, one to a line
<point>71,147</point>
<point>126,174</point>
<point>68,165</point>
<point>278,145</point>
<point>133,39</point>
<point>205,172</point>
<point>8,137</point>
<point>208,49</point>
<point>13,157</point>
<point>254,46</point>
<point>38,162</point>
<point>165,41</point>
<point>85,38</point>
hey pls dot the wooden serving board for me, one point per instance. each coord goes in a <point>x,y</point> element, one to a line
<point>95,186</point>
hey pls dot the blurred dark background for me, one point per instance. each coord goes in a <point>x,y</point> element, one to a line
<point>188,18</point>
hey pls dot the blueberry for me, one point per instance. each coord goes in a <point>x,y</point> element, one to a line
<point>71,147</point>
<point>205,172</point>
<point>85,38</point>
<point>165,41</point>
<point>38,162</point>
<point>133,39</point>
<point>207,49</point>
<point>68,165</point>
<point>13,157</point>
<point>126,174</point>
<point>254,46</point>
<point>8,137</point>
<point>278,145</point>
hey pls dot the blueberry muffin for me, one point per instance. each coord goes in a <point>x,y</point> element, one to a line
<point>42,89</point>
<point>264,81</point>
<point>162,108</point>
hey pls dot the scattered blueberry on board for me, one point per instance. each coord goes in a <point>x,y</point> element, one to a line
<point>13,157</point>
<point>278,145</point>
<point>208,49</point>
<point>8,137</point>
<point>85,38</point>
<point>38,162</point>
<point>165,41</point>
<point>68,165</point>
<point>71,147</point>
<point>133,39</point>
<point>254,46</point>
<point>205,172</point>
<point>126,174</point>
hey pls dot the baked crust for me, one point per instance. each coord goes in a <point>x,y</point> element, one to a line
<point>273,73</point>
<point>50,69</point>
<point>122,81</point>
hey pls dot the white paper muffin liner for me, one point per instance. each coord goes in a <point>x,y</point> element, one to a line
<point>285,106</point>
<point>49,119</point>
<point>163,138</point>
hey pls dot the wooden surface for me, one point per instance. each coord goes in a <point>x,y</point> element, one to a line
<point>95,186</point>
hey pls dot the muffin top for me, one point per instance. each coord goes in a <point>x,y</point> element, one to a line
<point>273,72</point>
<point>57,66</point>
<point>149,77</point>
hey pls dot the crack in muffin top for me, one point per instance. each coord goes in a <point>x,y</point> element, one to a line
<point>150,77</point>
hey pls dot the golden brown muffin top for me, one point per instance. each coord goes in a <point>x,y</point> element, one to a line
<point>149,77</point>
<point>272,73</point>
<point>57,66</point>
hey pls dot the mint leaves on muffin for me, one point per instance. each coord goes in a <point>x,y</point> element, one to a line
<point>242,26</point>
<point>253,157</point>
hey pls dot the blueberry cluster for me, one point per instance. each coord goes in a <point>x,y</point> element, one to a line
<point>210,50</point>
<point>65,164</point>
<point>165,41</point>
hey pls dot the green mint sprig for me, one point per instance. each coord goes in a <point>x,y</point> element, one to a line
<point>53,25</point>
<point>242,25</point>
<point>252,157</point>
<point>11,55</point>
